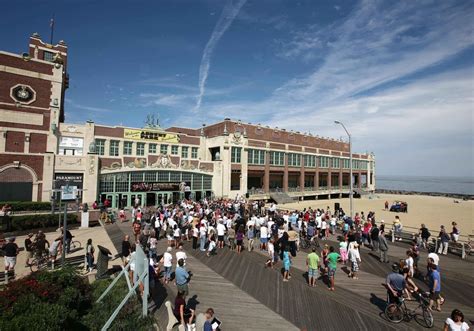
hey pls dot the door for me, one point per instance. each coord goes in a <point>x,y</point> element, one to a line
<point>151,199</point>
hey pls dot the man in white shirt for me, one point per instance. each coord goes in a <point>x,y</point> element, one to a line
<point>220,234</point>
<point>202,236</point>
<point>263,237</point>
<point>180,254</point>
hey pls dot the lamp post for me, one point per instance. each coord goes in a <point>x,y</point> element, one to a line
<point>350,167</point>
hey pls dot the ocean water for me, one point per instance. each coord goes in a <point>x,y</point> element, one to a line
<point>459,185</point>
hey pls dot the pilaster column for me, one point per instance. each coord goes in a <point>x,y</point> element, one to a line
<point>285,174</point>
<point>302,174</point>
<point>266,175</point>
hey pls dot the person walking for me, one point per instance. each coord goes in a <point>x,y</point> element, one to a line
<point>374,236</point>
<point>90,255</point>
<point>383,247</point>
<point>354,257</point>
<point>126,249</point>
<point>444,241</point>
<point>167,261</point>
<point>250,237</point>
<point>425,235</point>
<point>202,237</point>
<point>312,261</point>
<point>286,264</point>
<point>435,286</point>
<point>11,251</point>
<point>182,278</point>
<point>332,259</point>
<point>29,249</point>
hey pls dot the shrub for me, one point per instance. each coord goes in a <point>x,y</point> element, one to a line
<point>129,317</point>
<point>27,205</point>
<point>62,300</point>
<point>26,222</point>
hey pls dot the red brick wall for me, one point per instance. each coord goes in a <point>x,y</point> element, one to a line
<point>31,65</point>
<point>108,132</point>
<point>40,86</point>
<point>15,142</point>
<point>33,161</point>
<point>38,142</point>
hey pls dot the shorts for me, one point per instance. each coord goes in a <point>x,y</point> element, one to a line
<point>10,261</point>
<point>331,272</point>
<point>183,288</point>
<point>220,238</point>
<point>434,295</point>
<point>312,272</point>
<point>355,266</point>
<point>239,242</point>
<point>263,240</point>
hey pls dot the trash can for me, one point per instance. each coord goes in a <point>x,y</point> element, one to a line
<point>102,262</point>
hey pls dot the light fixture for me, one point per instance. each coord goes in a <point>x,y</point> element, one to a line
<point>27,139</point>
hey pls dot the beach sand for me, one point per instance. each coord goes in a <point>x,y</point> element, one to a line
<point>432,211</point>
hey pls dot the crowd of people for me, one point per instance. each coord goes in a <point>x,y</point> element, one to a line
<point>212,225</point>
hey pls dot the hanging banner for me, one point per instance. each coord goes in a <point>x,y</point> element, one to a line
<point>153,186</point>
<point>150,135</point>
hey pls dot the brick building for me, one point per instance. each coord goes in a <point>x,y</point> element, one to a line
<point>39,151</point>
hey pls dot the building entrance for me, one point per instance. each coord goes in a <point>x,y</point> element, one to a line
<point>151,199</point>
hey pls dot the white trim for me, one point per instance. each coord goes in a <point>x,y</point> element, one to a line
<point>12,116</point>
<point>28,73</point>
<point>35,182</point>
<point>47,110</point>
<point>51,50</point>
<point>28,59</point>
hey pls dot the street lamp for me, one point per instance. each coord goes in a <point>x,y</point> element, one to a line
<point>350,166</point>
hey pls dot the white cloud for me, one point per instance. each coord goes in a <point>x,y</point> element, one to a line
<point>85,107</point>
<point>228,14</point>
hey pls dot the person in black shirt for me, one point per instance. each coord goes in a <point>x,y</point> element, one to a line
<point>126,248</point>
<point>29,249</point>
<point>11,251</point>
<point>68,239</point>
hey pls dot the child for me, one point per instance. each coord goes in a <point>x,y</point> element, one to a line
<point>211,250</point>
<point>271,254</point>
<point>343,250</point>
<point>122,215</point>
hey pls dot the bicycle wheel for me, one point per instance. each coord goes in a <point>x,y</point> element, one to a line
<point>34,265</point>
<point>394,313</point>
<point>75,244</point>
<point>428,317</point>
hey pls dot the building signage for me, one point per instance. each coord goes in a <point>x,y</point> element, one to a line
<point>145,187</point>
<point>68,184</point>
<point>150,135</point>
<point>71,142</point>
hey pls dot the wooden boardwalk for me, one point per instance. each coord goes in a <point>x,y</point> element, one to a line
<point>233,306</point>
<point>242,290</point>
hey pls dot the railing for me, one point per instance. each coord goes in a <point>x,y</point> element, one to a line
<point>276,189</point>
<point>294,189</point>
<point>310,188</point>
<point>323,188</point>
<point>255,191</point>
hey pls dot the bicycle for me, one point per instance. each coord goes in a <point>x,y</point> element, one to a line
<point>38,263</point>
<point>309,243</point>
<point>397,312</point>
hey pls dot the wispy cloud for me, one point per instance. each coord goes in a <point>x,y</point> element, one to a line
<point>230,11</point>
<point>85,107</point>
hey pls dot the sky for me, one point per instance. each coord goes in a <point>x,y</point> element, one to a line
<point>398,74</point>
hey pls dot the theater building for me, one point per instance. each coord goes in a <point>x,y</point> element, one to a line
<point>40,152</point>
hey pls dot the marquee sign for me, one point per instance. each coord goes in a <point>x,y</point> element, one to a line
<point>153,186</point>
<point>150,135</point>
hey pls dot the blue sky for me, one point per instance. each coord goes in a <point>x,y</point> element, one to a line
<point>399,74</point>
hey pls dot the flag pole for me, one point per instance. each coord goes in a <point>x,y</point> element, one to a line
<point>51,25</point>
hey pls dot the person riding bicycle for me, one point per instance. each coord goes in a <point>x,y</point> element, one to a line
<point>40,245</point>
<point>395,283</point>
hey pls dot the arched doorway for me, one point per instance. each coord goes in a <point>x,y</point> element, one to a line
<point>16,184</point>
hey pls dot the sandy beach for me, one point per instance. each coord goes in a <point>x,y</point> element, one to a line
<point>432,211</point>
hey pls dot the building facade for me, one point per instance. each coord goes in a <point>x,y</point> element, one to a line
<point>39,152</point>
